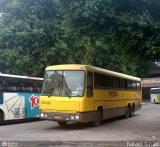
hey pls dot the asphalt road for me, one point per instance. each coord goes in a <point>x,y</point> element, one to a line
<point>145,125</point>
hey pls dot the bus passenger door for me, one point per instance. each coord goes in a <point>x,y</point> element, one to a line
<point>90,84</point>
<point>88,104</point>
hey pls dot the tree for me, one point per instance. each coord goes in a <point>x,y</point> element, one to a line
<point>120,35</point>
<point>26,34</point>
<point>128,24</point>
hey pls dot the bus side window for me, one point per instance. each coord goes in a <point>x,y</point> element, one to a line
<point>89,84</point>
<point>1,86</point>
<point>1,97</point>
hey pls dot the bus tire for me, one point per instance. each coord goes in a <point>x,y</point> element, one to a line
<point>1,116</point>
<point>62,123</point>
<point>131,110</point>
<point>97,118</point>
<point>127,112</point>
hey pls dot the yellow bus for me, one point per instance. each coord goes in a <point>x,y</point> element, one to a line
<point>84,93</point>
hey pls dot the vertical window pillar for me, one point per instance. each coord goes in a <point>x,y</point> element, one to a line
<point>89,84</point>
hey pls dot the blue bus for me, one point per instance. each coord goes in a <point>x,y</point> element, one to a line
<point>19,97</point>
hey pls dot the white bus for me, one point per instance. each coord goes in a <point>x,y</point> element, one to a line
<point>19,97</point>
<point>155,95</point>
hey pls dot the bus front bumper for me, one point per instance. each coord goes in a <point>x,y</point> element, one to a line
<point>67,117</point>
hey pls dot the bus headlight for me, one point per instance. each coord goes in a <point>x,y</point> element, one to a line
<point>45,115</point>
<point>77,117</point>
<point>42,114</point>
<point>72,117</point>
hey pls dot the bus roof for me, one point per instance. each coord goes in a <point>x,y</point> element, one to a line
<point>67,67</point>
<point>19,76</point>
<point>93,68</point>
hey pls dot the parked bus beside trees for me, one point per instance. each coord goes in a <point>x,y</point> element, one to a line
<point>82,93</point>
<point>19,97</point>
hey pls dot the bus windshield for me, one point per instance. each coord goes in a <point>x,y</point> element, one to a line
<point>63,83</point>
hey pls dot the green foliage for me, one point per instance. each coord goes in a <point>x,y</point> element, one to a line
<point>26,32</point>
<point>120,35</point>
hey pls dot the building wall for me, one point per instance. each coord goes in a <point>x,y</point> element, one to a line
<point>147,84</point>
<point>146,93</point>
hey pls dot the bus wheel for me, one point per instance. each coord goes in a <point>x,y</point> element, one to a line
<point>131,110</point>
<point>98,118</point>
<point>63,123</point>
<point>127,112</point>
<point>1,117</point>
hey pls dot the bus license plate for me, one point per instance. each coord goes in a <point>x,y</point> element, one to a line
<point>58,117</point>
